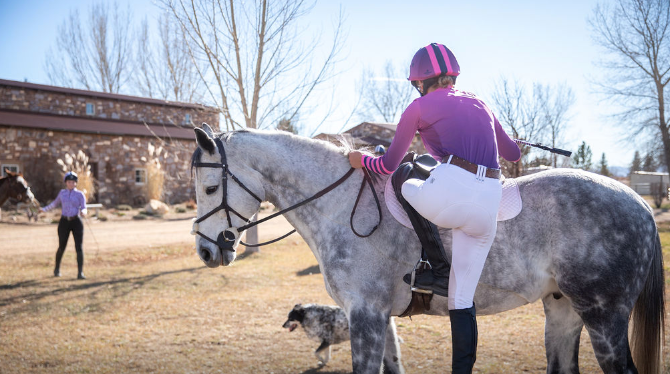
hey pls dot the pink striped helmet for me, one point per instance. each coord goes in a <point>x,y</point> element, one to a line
<point>431,61</point>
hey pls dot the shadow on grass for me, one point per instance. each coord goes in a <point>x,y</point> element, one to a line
<point>318,370</point>
<point>78,285</point>
<point>309,271</point>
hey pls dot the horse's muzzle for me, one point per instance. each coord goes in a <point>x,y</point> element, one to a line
<point>222,255</point>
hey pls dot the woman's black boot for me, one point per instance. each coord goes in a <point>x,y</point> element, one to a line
<point>464,340</point>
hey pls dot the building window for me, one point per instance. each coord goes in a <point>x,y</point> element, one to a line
<point>90,109</point>
<point>187,120</point>
<point>140,176</point>
<point>14,168</point>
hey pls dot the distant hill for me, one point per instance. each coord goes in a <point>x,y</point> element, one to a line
<point>619,171</point>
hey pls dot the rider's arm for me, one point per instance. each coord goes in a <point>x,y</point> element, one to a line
<point>389,161</point>
<point>507,148</point>
<point>82,203</point>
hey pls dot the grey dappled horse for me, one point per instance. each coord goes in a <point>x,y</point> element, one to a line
<point>584,244</point>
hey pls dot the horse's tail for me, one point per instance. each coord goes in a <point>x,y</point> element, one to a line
<point>648,317</point>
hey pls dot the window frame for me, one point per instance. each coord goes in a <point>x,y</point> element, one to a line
<point>143,171</point>
<point>92,106</point>
<point>16,168</point>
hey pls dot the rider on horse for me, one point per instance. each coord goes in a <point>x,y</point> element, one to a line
<point>462,194</point>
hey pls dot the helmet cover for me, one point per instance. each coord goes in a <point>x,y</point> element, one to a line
<point>70,176</point>
<point>431,61</point>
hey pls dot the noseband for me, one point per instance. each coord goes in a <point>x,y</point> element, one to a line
<point>227,238</point>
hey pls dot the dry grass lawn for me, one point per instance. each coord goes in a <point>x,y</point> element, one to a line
<point>160,310</point>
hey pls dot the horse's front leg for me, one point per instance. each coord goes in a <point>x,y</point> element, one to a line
<point>392,363</point>
<point>367,329</point>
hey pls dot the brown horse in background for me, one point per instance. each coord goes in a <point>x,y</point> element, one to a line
<point>14,186</point>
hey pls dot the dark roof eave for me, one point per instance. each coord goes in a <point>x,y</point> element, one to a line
<point>92,126</point>
<point>104,95</point>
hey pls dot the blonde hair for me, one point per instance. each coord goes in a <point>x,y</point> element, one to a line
<point>444,81</point>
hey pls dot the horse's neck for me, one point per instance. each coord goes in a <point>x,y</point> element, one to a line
<point>4,190</point>
<point>295,169</point>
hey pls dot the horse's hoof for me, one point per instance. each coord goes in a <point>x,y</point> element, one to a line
<point>56,273</point>
<point>81,276</point>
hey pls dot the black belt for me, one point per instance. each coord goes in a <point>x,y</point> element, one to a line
<point>469,166</point>
<point>69,218</point>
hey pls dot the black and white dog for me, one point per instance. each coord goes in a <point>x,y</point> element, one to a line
<point>327,324</point>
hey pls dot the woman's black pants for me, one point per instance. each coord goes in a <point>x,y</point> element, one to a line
<point>64,227</point>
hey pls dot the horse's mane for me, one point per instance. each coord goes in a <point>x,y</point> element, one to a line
<point>303,142</point>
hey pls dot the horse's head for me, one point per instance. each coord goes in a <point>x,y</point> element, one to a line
<point>228,193</point>
<point>17,188</point>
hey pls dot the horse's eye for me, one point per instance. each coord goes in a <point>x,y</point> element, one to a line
<point>211,190</point>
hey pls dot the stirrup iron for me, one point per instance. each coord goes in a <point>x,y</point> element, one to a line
<point>424,265</point>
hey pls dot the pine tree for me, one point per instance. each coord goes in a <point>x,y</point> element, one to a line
<point>582,158</point>
<point>636,165</point>
<point>649,162</point>
<point>603,166</point>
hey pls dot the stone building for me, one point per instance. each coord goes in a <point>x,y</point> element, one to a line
<point>39,124</point>
<point>371,134</point>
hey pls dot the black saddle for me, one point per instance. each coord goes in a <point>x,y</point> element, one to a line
<point>418,167</point>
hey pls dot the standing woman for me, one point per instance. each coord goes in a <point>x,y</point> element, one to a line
<point>463,193</point>
<point>73,204</point>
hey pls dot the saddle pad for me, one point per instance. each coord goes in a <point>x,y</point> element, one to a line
<point>510,203</point>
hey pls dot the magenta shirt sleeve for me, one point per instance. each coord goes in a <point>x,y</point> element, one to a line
<point>507,148</point>
<point>407,128</point>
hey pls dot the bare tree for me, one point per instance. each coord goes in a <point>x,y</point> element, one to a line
<point>519,114</point>
<point>166,69</point>
<point>260,68</point>
<point>634,34</point>
<point>555,104</point>
<point>539,115</point>
<point>384,96</point>
<point>95,55</point>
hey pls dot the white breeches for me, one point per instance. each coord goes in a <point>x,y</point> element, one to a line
<point>457,199</point>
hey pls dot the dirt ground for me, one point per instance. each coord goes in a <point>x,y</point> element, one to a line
<point>149,305</point>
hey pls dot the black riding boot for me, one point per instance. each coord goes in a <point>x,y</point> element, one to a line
<point>59,257</point>
<point>80,265</point>
<point>435,280</point>
<point>464,340</point>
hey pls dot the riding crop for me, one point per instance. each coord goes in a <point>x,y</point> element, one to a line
<point>562,152</point>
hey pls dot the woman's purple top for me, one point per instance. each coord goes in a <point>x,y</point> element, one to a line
<point>449,122</point>
<point>72,202</point>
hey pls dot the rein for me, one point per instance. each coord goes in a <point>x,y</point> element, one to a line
<point>227,238</point>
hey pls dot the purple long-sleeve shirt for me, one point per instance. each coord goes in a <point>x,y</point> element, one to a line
<point>449,122</point>
<point>72,202</point>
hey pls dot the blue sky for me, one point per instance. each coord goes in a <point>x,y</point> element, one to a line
<point>533,41</point>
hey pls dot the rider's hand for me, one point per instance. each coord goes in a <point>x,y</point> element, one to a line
<point>41,210</point>
<point>82,214</point>
<point>355,159</point>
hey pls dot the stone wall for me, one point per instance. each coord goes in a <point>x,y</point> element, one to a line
<point>115,157</point>
<point>65,104</point>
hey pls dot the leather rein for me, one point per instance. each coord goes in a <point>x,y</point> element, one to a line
<point>227,238</point>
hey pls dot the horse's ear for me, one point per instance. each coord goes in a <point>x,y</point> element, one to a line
<point>204,141</point>
<point>10,173</point>
<point>208,130</point>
